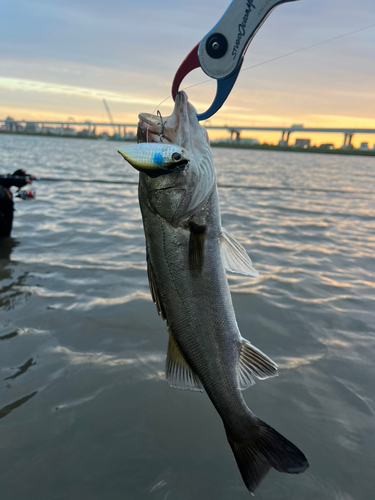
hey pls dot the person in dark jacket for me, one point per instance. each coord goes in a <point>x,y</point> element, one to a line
<point>18,179</point>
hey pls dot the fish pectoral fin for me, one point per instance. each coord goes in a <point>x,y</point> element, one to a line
<point>253,362</point>
<point>177,370</point>
<point>235,258</point>
<point>154,289</point>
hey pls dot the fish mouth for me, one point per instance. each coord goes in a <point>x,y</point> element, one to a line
<point>150,128</point>
<point>174,129</point>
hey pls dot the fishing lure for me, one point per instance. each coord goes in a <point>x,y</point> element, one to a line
<point>155,159</point>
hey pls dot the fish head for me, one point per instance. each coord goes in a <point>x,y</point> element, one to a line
<point>181,127</point>
<point>178,193</point>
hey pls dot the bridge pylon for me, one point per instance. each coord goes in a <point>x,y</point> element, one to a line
<point>284,141</point>
<point>348,136</point>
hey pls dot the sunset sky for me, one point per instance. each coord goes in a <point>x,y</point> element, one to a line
<point>59,59</point>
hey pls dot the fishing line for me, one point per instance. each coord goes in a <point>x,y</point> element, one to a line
<point>153,114</point>
<point>221,186</point>
<point>89,181</point>
<point>310,46</point>
<point>276,58</point>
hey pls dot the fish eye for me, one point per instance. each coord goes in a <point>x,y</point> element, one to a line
<point>176,157</point>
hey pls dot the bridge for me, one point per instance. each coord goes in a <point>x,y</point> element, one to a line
<point>234,131</point>
<point>287,131</point>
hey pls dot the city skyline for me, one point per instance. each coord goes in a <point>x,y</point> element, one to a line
<point>60,60</point>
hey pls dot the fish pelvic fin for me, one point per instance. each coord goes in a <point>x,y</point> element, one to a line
<point>177,370</point>
<point>234,256</point>
<point>262,449</point>
<point>253,363</point>
<point>154,289</point>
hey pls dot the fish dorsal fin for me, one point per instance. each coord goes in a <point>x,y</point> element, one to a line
<point>253,363</point>
<point>153,289</point>
<point>234,256</point>
<point>177,370</point>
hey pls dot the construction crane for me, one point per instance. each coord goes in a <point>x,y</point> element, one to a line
<point>116,136</point>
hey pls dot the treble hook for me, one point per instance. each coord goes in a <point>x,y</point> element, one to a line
<point>162,136</point>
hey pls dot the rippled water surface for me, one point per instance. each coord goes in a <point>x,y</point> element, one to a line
<point>85,412</point>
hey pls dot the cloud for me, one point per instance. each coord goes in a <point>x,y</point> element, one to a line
<point>16,84</point>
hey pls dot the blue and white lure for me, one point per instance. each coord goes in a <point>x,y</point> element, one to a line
<point>155,159</point>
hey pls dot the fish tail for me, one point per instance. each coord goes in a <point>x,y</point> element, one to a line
<point>262,449</point>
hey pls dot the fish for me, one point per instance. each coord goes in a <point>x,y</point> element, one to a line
<point>188,254</point>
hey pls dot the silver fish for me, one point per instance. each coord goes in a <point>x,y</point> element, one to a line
<point>188,253</point>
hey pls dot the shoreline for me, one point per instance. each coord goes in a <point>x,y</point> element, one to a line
<point>292,149</point>
<point>234,145</point>
<point>59,136</point>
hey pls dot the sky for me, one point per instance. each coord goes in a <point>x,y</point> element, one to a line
<point>59,59</point>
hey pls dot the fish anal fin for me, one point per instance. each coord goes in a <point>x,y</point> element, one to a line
<point>154,289</point>
<point>234,256</point>
<point>253,363</point>
<point>177,370</point>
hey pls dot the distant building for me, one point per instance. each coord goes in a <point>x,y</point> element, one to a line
<point>50,130</point>
<point>220,140</point>
<point>129,135</point>
<point>69,131</point>
<point>86,132</point>
<point>298,126</point>
<point>302,143</point>
<point>9,124</point>
<point>12,126</point>
<point>364,146</point>
<point>327,146</point>
<point>250,142</point>
<point>83,133</point>
<point>31,128</point>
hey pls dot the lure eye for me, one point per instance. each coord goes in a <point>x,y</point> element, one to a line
<point>176,157</point>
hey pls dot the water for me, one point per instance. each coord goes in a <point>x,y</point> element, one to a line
<point>85,412</point>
